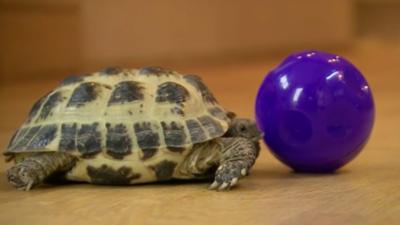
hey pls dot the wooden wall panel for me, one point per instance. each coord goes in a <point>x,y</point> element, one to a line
<point>38,40</point>
<point>379,19</point>
<point>43,39</point>
<point>131,32</point>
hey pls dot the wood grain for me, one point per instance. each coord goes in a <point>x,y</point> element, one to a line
<point>366,191</point>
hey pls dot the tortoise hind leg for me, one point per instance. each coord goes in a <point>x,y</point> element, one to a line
<point>238,155</point>
<point>35,169</point>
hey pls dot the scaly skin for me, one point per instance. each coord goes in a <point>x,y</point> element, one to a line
<point>225,159</point>
<point>238,155</point>
<point>34,169</point>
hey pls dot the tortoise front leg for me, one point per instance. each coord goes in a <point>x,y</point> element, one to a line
<point>238,155</point>
<point>33,170</point>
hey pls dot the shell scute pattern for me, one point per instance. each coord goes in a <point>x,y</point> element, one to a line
<point>68,137</point>
<point>174,134</point>
<point>108,175</point>
<point>35,108</point>
<point>147,135</point>
<point>129,111</point>
<point>49,105</point>
<point>118,142</point>
<point>84,93</point>
<point>44,136</point>
<point>197,133</point>
<point>202,88</point>
<point>89,139</point>
<point>126,91</point>
<point>22,138</point>
<point>172,92</point>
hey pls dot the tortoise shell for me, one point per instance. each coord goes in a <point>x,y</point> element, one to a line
<point>118,111</point>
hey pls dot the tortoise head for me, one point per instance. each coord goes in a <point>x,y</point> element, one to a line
<point>246,128</point>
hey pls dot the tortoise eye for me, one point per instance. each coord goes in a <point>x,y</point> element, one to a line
<point>242,128</point>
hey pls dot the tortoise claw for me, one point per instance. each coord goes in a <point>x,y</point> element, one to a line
<point>214,185</point>
<point>227,176</point>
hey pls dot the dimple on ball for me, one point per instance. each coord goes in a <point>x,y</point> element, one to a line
<point>316,111</point>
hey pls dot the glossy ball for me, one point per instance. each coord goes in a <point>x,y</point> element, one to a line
<point>316,111</point>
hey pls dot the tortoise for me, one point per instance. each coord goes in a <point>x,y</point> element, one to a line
<point>127,126</point>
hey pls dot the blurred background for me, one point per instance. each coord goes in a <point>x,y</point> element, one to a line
<point>46,39</point>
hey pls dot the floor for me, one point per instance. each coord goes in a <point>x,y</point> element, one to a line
<point>366,191</point>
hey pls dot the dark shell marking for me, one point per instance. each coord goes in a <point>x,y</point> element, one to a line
<point>22,140</point>
<point>147,138</point>
<point>126,91</point>
<point>153,70</point>
<point>71,80</point>
<point>174,134</point>
<point>18,135</point>
<point>45,135</point>
<point>164,170</point>
<point>111,71</point>
<point>197,133</point>
<point>148,153</point>
<point>178,111</point>
<point>89,140</point>
<point>109,176</point>
<point>217,112</point>
<point>172,92</point>
<point>118,142</point>
<point>52,101</point>
<point>35,108</point>
<point>68,137</point>
<point>212,126</point>
<point>84,93</point>
<point>176,149</point>
<point>13,138</point>
<point>196,82</point>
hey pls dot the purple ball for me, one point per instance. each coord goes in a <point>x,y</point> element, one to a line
<point>316,111</point>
